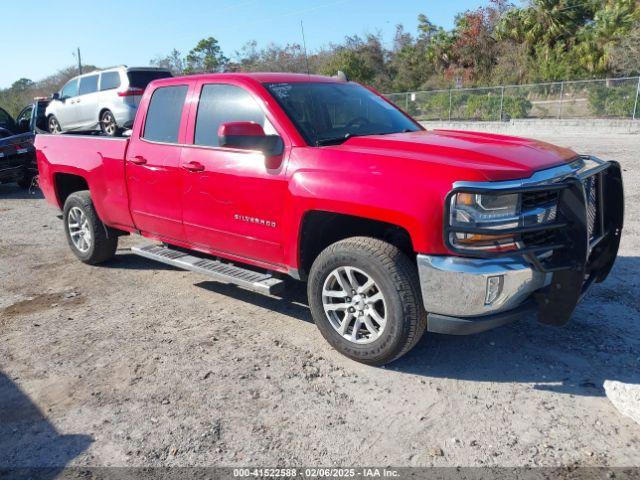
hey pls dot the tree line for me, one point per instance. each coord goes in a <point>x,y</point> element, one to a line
<point>500,43</point>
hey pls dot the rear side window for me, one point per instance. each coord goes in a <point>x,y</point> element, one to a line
<point>88,84</point>
<point>223,104</point>
<point>164,114</point>
<point>70,89</point>
<point>109,81</point>
<point>142,78</point>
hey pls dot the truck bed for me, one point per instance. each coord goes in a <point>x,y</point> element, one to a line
<point>98,159</point>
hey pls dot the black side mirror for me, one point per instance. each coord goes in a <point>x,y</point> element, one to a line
<point>55,96</point>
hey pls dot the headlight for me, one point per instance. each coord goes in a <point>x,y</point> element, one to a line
<point>484,211</point>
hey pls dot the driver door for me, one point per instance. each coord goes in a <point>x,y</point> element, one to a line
<point>233,203</point>
<point>67,111</point>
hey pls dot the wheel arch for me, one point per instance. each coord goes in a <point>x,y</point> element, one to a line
<point>320,228</point>
<point>67,183</point>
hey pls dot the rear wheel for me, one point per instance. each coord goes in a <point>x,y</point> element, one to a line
<point>90,239</point>
<point>365,298</point>
<point>54,125</point>
<point>108,124</point>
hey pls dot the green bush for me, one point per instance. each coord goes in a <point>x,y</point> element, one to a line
<point>468,106</point>
<point>612,101</point>
<point>430,106</point>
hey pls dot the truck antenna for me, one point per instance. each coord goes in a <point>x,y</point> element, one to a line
<point>304,44</point>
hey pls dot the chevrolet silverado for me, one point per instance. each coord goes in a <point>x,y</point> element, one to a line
<point>250,178</point>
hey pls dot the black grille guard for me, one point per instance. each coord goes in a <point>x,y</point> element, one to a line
<point>574,260</point>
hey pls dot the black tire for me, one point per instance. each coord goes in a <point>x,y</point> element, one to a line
<point>53,125</point>
<point>396,277</point>
<point>103,240</point>
<point>108,124</point>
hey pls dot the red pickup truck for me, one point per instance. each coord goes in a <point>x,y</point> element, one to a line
<point>250,178</point>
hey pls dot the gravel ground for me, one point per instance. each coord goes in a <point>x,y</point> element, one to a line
<point>134,363</point>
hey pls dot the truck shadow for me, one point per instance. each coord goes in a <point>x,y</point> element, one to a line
<point>29,441</point>
<point>11,191</point>
<point>292,303</point>
<point>601,341</point>
<point>125,260</point>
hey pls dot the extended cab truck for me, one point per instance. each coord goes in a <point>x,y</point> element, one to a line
<point>397,230</point>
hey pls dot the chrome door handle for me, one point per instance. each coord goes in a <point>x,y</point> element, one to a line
<point>138,160</point>
<point>193,166</point>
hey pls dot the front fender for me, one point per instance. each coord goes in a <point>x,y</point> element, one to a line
<point>404,203</point>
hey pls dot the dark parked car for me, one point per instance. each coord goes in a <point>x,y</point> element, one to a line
<point>17,154</point>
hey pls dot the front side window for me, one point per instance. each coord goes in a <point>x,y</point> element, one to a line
<point>70,89</point>
<point>25,114</point>
<point>330,113</point>
<point>109,81</point>
<point>24,119</point>
<point>220,104</point>
<point>88,84</point>
<point>164,114</point>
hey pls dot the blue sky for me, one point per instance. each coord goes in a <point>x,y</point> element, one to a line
<point>39,38</point>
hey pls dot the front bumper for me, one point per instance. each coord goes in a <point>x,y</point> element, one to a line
<point>458,286</point>
<point>467,295</point>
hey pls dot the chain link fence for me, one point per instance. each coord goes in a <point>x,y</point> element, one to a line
<point>608,98</point>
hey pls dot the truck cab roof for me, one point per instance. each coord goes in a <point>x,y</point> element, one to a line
<point>261,77</point>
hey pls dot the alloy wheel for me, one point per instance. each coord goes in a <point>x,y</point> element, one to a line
<point>354,305</point>
<point>109,124</point>
<point>79,229</point>
<point>54,126</point>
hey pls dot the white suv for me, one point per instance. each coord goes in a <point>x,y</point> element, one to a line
<point>104,100</point>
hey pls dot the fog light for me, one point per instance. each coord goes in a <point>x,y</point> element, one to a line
<point>494,289</point>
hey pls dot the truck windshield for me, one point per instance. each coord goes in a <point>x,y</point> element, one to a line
<point>331,113</point>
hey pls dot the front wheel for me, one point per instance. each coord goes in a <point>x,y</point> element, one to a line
<point>54,125</point>
<point>365,298</point>
<point>90,239</point>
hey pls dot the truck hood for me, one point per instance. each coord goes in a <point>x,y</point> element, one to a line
<point>496,157</point>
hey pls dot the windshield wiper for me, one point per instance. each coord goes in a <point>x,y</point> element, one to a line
<point>338,140</point>
<point>321,142</point>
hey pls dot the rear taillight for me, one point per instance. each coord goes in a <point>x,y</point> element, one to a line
<point>131,92</point>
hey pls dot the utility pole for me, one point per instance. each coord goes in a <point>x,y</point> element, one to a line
<point>79,62</point>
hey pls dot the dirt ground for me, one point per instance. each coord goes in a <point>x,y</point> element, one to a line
<point>133,363</point>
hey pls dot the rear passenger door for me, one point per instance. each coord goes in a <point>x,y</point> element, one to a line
<point>88,102</point>
<point>153,166</point>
